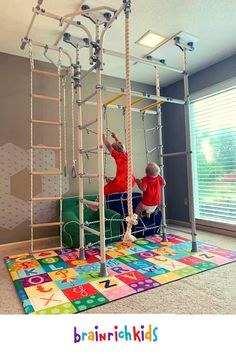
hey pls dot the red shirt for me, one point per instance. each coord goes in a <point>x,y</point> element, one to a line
<point>152,194</point>
<point>121,160</point>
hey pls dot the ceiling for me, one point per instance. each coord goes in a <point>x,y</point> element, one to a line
<point>212,21</point>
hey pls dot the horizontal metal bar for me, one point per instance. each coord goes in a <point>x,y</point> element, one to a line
<point>90,103</point>
<point>154,149</point>
<point>88,175</point>
<point>154,63</point>
<point>91,202</point>
<point>84,151</point>
<point>88,72</point>
<point>176,153</point>
<point>145,95</point>
<point>145,130</point>
<point>86,99</point>
<point>91,230</point>
<point>84,126</point>
<point>90,131</point>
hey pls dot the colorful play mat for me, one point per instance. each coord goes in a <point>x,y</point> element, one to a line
<point>57,282</point>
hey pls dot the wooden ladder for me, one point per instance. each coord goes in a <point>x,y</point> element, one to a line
<point>35,73</point>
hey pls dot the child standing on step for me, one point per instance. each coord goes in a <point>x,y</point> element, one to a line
<point>150,185</point>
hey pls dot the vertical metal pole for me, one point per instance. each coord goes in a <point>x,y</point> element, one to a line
<point>80,159</point>
<point>145,137</point>
<point>31,151</point>
<point>161,161</point>
<point>103,269</point>
<point>188,156</point>
<point>60,143</point>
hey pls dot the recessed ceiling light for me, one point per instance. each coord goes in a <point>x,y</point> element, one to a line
<point>150,39</point>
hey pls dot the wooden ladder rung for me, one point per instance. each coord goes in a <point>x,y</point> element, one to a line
<point>42,97</point>
<point>46,173</point>
<point>152,105</point>
<point>42,199</point>
<point>47,73</point>
<point>114,99</point>
<point>133,103</point>
<point>49,122</point>
<point>44,147</point>
<point>47,224</point>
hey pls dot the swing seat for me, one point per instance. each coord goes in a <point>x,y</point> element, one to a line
<point>71,230</point>
<point>146,226</point>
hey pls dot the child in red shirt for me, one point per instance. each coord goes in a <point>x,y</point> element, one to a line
<point>151,187</point>
<point>117,151</point>
<point>119,183</point>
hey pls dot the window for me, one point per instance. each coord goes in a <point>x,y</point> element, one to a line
<point>213,123</point>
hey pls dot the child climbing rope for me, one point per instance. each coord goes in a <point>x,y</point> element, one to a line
<point>118,152</point>
<point>119,183</point>
<point>151,186</point>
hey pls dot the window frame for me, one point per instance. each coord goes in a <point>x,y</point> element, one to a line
<point>209,225</point>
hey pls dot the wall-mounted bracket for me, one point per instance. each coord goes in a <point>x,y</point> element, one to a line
<point>76,42</point>
<point>185,41</point>
<point>97,17</point>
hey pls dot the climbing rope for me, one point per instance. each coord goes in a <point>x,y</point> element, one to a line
<point>124,116</point>
<point>131,219</point>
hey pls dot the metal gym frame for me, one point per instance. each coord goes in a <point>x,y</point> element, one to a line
<point>96,53</point>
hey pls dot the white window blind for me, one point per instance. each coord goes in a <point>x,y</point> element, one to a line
<point>213,123</point>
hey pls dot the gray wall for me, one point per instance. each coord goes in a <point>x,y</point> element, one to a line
<point>174,134</point>
<point>15,144</point>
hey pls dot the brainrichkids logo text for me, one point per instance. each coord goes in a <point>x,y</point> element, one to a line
<point>117,333</point>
